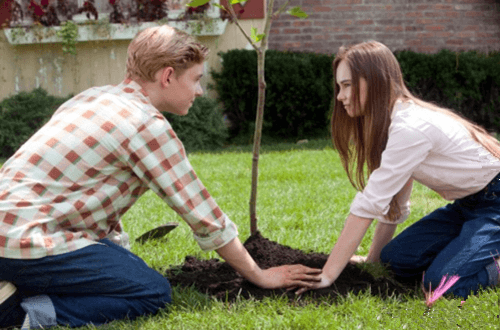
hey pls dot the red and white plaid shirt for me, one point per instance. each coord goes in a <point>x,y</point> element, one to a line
<point>70,183</point>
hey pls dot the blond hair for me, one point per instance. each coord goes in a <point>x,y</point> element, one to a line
<point>361,140</point>
<point>162,46</point>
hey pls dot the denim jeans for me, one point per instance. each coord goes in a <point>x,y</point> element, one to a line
<point>93,285</point>
<point>460,238</point>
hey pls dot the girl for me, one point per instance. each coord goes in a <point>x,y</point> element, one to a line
<point>378,125</point>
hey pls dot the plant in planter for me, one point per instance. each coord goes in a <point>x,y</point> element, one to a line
<point>69,34</point>
<point>49,13</point>
<point>150,10</point>
<point>16,16</point>
<point>196,18</point>
<point>45,14</point>
<point>66,9</point>
<point>116,16</point>
<point>89,9</point>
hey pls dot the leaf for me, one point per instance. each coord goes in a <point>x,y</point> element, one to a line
<point>254,36</point>
<point>233,2</point>
<point>197,3</point>
<point>297,12</point>
<point>219,6</point>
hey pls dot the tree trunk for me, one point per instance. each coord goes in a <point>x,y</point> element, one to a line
<point>261,54</point>
<point>261,57</point>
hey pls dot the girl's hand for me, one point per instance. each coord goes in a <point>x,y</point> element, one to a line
<point>354,229</point>
<point>323,283</point>
<point>355,259</point>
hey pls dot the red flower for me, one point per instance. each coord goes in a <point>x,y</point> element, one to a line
<point>44,3</point>
<point>112,2</point>
<point>37,9</point>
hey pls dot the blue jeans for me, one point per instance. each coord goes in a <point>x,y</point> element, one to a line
<point>95,284</point>
<point>457,239</point>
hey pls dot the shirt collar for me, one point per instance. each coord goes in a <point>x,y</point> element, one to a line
<point>130,86</point>
<point>129,83</point>
<point>400,105</point>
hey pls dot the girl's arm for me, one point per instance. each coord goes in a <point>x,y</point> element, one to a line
<point>385,231</point>
<point>353,232</point>
<point>383,235</point>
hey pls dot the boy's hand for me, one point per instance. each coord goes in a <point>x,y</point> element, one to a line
<point>289,276</point>
<point>286,276</point>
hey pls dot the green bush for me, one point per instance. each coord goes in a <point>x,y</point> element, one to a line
<point>467,82</point>
<point>203,127</point>
<point>298,94</point>
<point>22,115</point>
<point>299,88</point>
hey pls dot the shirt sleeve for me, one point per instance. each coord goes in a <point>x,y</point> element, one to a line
<point>158,158</point>
<point>121,239</point>
<point>406,148</point>
<point>403,198</point>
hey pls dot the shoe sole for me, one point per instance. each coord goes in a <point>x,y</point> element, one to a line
<point>6,292</point>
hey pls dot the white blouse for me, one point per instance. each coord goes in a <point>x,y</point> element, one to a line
<point>433,149</point>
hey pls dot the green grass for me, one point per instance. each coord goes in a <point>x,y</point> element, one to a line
<point>304,198</point>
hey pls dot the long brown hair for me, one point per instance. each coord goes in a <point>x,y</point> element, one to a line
<point>360,140</point>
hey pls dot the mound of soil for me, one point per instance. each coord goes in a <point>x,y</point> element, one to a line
<point>218,279</point>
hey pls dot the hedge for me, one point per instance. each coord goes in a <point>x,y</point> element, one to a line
<point>203,128</point>
<point>467,82</point>
<point>299,88</point>
<point>23,114</point>
<point>298,97</point>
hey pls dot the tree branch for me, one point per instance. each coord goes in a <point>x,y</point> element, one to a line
<point>237,22</point>
<point>267,28</point>
<point>279,11</point>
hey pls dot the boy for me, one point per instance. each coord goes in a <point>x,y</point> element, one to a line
<point>63,255</point>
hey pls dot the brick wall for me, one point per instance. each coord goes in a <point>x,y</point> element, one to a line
<point>419,25</point>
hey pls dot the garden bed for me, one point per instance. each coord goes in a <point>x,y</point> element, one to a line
<point>219,280</point>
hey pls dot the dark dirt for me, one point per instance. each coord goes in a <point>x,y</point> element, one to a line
<point>218,279</point>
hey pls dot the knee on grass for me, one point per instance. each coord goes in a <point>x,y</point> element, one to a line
<point>401,261</point>
<point>164,292</point>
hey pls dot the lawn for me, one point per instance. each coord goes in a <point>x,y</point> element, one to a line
<point>304,198</point>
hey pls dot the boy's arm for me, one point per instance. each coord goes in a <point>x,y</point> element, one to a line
<point>157,157</point>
